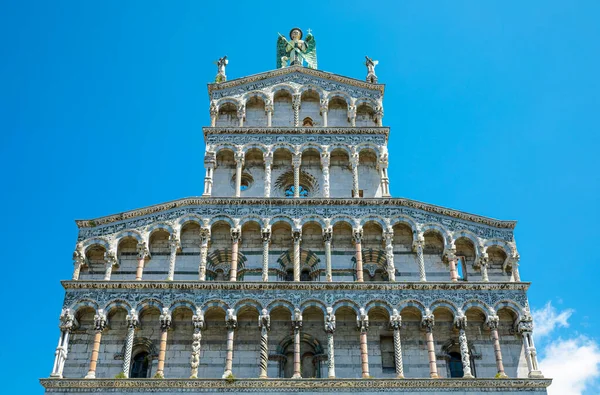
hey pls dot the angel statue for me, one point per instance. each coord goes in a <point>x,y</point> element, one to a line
<point>296,50</point>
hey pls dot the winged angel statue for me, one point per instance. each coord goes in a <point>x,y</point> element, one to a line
<point>296,50</point>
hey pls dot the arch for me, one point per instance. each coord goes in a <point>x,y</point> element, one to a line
<point>510,305</point>
<point>469,236</point>
<point>84,303</point>
<point>442,303</point>
<point>374,218</point>
<point>251,218</point>
<point>405,219</point>
<point>258,146</point>
<point>96,241</point>
<point>280,303</point>
<point>183,303</point>
<point>343,218</point>
<point>476,305</point>
<point>368,146</point>
<point>247,303</point>
<point>291,148</point>
<point>195,218</point>
<point>214,303</point>
<point>231,100</point>
<point>224,147</point>
<point>346,303</point>
<point>221,218</point>
<point>128,233</point>
<point>314,303</point>
<point>308,145</point>
<point>310,87</point>
<point>379,303</point>
<point>283,87</point>
<point>366,100</point>
<point>344,147</point>
<point>115,304</point>
<point>339,94</point>
<point>307,219</point>
<point>158,226</point>
<point>151,302</point>
<point>282,218</point>
<point>443,232</point>
<point>249,95</point>
<point>508,249</point>
<point>412,303</point>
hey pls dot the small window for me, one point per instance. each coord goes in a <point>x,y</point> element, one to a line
<point>360,193</point>
<point>289,275</point>
<point>305,275</point>
<point>388,364</point>
<point>461,268</point>
<point>244,185</point>
<point>307,122</point>
<point>140,365</point>
<point>303,191</point>
<point>455,365</point>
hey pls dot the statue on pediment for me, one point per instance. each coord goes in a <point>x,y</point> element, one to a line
<point>296,51</point>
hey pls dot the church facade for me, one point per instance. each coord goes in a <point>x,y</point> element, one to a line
<point>296,271</point>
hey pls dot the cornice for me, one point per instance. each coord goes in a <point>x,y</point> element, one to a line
<point>298,286</point>
<point>296,130</point>
<point>200,201</point>
<point>289,385</point>
<point>213,87</point>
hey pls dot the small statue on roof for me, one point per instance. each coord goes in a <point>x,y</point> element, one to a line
<point>370,63</point>
<point>297,51</point>
<point>221,63</point>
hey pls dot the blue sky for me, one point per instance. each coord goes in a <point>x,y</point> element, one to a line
<point>493,109</point>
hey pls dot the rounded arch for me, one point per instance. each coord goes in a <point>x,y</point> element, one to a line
<point>115,304</point>
<point>251,218</point>
<point>249,95</point>
<point>195,218</point>
<point>188,304</point>
<point>314,303</point>
<point>405,219</point>
<point>282,218</point>
<point>306,146</point>
<point>343,218</point>
<point>81,303</point>
<point>307,219</point>
<point>283,87</point>
<point>343,147</point>
<point>222,218</point>
<point>258,146</point>
<point>284,146</point>
<point>225,100</point>
<point>146,303</point>
<point>365,146</point>
<point>280,303</point>
<point>96,241</point>
<point>245,303</point>
<point>509,305</point>
<point>340,94</point>
<point>442,231</point>
<point>158,226</point>
<point>412,303</point>
<point>310,87</point>
<point>346,303</point>
<point>365,100</point>
<point>374,218</point>
<point>465,234</point>
<point>508,249</point>
<point>442,303</point>
<point>475,304</point>
<point>128,233</point>
<point>217,148</point>
<point>214,303</point>
<point>381,304</point>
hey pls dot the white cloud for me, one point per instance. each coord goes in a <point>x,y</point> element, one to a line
<point>573,364</point>
<point>547,319</point>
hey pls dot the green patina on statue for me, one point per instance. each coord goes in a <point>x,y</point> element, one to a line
<point>297,51</point>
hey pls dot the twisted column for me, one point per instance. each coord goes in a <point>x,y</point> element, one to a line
<point>427,322</point>
<point>236,234</point>
<point>210,162</point>
<point>388,236</point>
<point>324,107</point>
<point>452,259</point>
<point>132,322</point>
<point>264,323</point>
<point>461,323</point>
<point>231,324</point>
<point>174,245</point>
<point>165,324</point>
<point>297,236</point>
<point>354,160</point>
<point>99,325</point>
<point>266,238</point>
<point>78,262</point>
<point>379,115</point>
<point>142,254</point>
<point>111,260</point>
<point>239,164</point>
<point>296,162</point>
<point>330,330</point>
<point>327,235</point>
<point>362,322</point>
<point>204,239</point>
<point>396,324</point>
<point>296,325</point>
<point>325,162</point>
<point>525,329</point>
<point>67,322</point>
<point>492,323</point>
<point>418,245</point>
<point>352,115</point>
<point>357,233</point>
<point>198,322</point>
<point>484,261</point>
<point>268,168</point>
<point>296,100</point>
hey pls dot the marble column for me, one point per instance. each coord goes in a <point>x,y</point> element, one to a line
<point>427,322</point>
<point>379,115</point>
<point>395,325</point>
<point>296,326</point>
<point>383,175</point>
<point>264,323</point>
<point>239,164</point>
<point>330,330</point>
<point>269,112</point>
<point>388,236</point>
<point>210,162</point>
<point>362,322</point>
<point>357,234</point>
<point>324,107</point>
<point>296,100</point>
<point>296,162</point>
<point>198,322</point>
<point>204,240</point>
<point>514,265</point>
<point>142,254</point>
<point>236,234</point>
<point>268,168</point>
<point>418,245</point>
<point>67,322</point>
<point>484,261</point>
<point>492,323</point>
<point>297,237</point>
<point>241,114</point>
<point>111,260</point>
<point>99,325</point>
<point>327,236</point>
<point>174,245</point>
<point>266,239</point>
<point>165,324</point>
<point>231,324</point>
<point>461,324</point>
<point>352,115</point>
<point>452,260</point>
<point>132,323</point>
<point>525,329</point>
<point>214,113</point>
<point>78,263</point>
<point>325,162</point>
<point>354,161</point>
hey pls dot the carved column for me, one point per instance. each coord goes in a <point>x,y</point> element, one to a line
<point>231,323</point>
<point>427,322</point>
<point>325,162</point>
<point>383,175</point>
<point>296,325</point>
<point>269,111</point>
<point>379,115</point>
<point>214,112</point>
<point>483,264</point>
<point>239,163</point>
<point>354,160</point>
<point>264,323</point>
<point>514,265</point>
<point>241,114</point>
<point>452,259</point>
<point>132,323</point>
<point>352,115</point>
<point>461,323</point>
<point>525,328</point>
<point>296,100</point>
<point>99,325</point>
<point>324,107</point>
<point>204,239</point>
<point>396,324</point>
<point>210,162</point>
<point>174,245</point>
<point>297,237</point>
<point>296,162</point>
<point>418,245</point>
<point>111,260</point>
<point>198,322</point>
<point>327,236</point>
<point>165,324</point>
<point>142,254</point>
<point>78,263</point>
<point>362,322</point>
<point>268,168</point>
<point>388,236</point>
<point>330,330</point>
<point>357,234</point>
<point>236,234</point>
<point>492,323</point>
<point>67,321</point>
<point>266,238</point>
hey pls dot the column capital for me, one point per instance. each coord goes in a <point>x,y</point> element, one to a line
<point>379,111</point>
<point>297,319</point>
<point>325,159</point>
<point>525,324</point>
<point>214,110</point>
<point>269,106</point>
<point>460,321</point>
<point>357,234</point>
<point>264,320</point>
<point>241,112</point>
<point>198,320</point>
<point>296,159</point>
<point>66,320</point>
<point>165,319</point>
<point>174,243</point>
<point>100,320</point>
<point>428,321</point>
<point>210,159</point>
<point>388,235</point>
<point>482,259</point>
<point>354,160</point>
<point>330,321</point>
<point>395,320</point>
<point>351,111</point>
<point>450,255</point>
<point>268,158</point>
<point>204,234</point>
<point>323,105</point>
<point>297,234</point>
<point>239,157</point>
<point>492,321</point>
<point>419,242</point>
<point>79,257</point>
<point>132,319</point>
<point>362,320</point>
<point>231,319</point>
<point>266,233</point>
<point>296,100</point>
<point>327,234</point>
<point>111,258</point>
<point>142,250</point>
<point>236,234</point>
